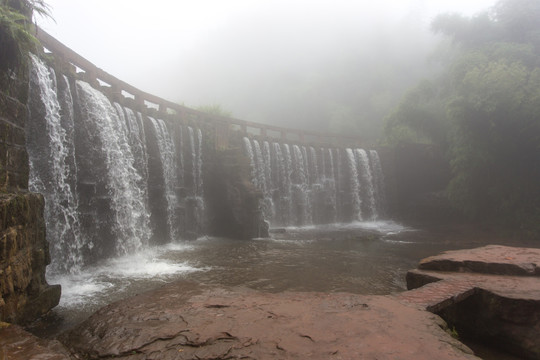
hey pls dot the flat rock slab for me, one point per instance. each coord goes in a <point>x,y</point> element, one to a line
<point>491,259</point>
<point>239,323</point>
<point>17,344</point>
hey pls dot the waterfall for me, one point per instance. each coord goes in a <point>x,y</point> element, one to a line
<point>307,186</point>
<point>378,183</point>
<point>112,178</point>
<point>330,189</point>
<point>199,182</point>
<point>52,165</point>
<point>301,196</point>
<point>314,173</point>
<point>137,141</point>
<point>195,200</point>
<point>130,225</point>
<point>262,162</point>
<point>366,180</point>
<point>167,153</point>
<point>282,192</point>
<point>354,187</point>
<point>116,180</point>
<point>249,152</point>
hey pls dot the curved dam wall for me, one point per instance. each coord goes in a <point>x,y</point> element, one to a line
<point>125,169</point>
<point>120,169</point>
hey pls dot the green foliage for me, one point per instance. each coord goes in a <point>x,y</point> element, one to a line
<point>485,111</point>
<point>418,118</point>
<point>214,109</point>
<point>16,39</point>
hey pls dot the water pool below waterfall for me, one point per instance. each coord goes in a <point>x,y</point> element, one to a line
<point>366,258</point>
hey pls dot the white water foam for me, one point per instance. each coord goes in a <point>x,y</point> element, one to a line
<point>382,226</point>
<point>98,284</point>
<point>385,227</point>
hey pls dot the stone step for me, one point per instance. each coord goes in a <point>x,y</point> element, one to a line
<point>491,259</point>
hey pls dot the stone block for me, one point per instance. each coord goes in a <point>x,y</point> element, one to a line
<point>5,132</point>
<point>16,181</point>
<point>19,136</point>
<point>13,110</point>
<point>23,258</point>
<point>22,270</point>
<point>17,159</point>
<point>3,248</point>
<point>12,244</point>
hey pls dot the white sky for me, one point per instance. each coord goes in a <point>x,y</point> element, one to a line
<point>165,46</point>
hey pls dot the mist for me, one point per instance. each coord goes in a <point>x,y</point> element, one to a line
<point>337,66</point>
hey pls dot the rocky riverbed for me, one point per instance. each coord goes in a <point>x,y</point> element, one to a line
<point>493,290</point>
<point>184,321</point>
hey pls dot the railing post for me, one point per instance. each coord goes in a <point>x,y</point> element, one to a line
<point>222,135</point>
<point>70,61</point>
<point>116,92</point>
<point>139,102</point>
<point>91,78</point>
<point>163,108</point>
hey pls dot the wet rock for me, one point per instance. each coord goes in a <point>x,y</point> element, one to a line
<point>182,321</point>
<point>490,294</point>
<point>24,255</point>
<point>17,344</point>
<point>491,259</point>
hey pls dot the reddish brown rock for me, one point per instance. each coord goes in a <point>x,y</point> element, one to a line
<point>491,259</point>
<point>222,324</point>
<point>490,294</point>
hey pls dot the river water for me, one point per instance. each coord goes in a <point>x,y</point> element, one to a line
<point>364,258</point>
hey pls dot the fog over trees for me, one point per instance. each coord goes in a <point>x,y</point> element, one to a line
<point>345,84</point>
<point>483,109</point>
<point>388,73</point>
<point>336,65</point>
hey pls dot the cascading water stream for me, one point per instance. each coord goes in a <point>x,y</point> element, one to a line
<point>308,186</point>
<point>282,191</point>
<point>378,182</point>
<point>130,224</point>
<point>196,202</point>
<point>91,160</point>
<point>52,166</point>
<point>330,185</point>
<point>249,151</point>
<point>301,196</point>
<point>167,153</point>
<point>366,180</point>
<point>354,184</point>
<point>268,202</point>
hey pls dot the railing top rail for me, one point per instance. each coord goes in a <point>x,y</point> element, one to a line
<point>59,49</point>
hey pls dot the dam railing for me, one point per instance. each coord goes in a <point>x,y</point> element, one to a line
<point>154,105</point>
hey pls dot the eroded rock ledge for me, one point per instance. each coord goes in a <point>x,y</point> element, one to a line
<point>490,294</point>
<point>240,323</point>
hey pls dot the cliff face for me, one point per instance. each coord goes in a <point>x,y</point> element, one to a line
<point>24,252</point>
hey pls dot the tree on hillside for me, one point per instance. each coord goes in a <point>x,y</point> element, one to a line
<point>214,109</point>
<point>485,111</point>
<point>16,39</point>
